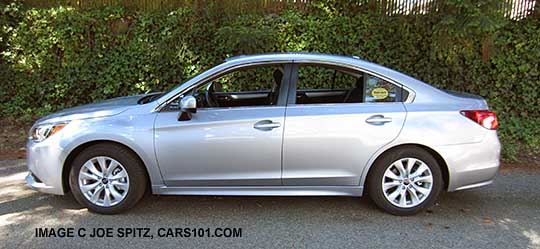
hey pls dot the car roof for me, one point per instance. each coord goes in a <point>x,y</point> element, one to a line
<point>423,93</point>
<point>288,55</point>
<point>422,90</point>
<point>308,57</point>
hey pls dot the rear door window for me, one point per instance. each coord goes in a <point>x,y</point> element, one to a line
<point>323,84</point>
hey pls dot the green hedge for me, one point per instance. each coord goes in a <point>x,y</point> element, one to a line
<point>60,57</point>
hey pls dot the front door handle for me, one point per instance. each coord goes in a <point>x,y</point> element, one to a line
<point>266,125</point>
<point>378,120</point>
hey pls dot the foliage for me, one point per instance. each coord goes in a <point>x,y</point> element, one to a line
<point>60,57</point>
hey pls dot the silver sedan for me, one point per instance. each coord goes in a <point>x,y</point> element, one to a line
<point>293,124</point>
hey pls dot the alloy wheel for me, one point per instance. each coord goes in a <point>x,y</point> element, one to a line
<point>407,182</point>
<point>103,181</point>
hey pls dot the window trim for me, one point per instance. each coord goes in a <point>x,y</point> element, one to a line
<point>291,100</point>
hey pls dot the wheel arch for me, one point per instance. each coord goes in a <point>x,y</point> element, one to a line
<point>81,147</point>
<point>440,160</point>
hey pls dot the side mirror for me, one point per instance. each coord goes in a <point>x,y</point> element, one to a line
<point>188,105</point>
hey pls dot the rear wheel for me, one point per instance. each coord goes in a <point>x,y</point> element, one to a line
<point>107,178</point>
<point>405,181</point>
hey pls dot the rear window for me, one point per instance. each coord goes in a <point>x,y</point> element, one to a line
<point>462,94</point>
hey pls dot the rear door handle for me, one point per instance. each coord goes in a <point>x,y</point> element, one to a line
<point>378,120</point>
<point>266,125</point>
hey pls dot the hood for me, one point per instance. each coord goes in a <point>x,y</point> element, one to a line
<point>103,108</point>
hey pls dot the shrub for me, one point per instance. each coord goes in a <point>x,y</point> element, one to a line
<point>60,57</point>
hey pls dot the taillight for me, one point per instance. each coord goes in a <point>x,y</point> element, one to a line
<point>485,118</point>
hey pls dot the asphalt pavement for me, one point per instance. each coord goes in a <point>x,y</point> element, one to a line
<point>503,215</point>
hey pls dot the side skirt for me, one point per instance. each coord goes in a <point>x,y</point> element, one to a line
<point>261,190</point>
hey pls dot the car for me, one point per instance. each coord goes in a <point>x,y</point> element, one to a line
<point>286,124</point>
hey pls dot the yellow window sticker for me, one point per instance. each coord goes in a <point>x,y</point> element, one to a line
<point>379,93</point>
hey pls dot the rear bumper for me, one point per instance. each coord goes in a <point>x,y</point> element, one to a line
<point>472,165</point>
<point>476,185</point>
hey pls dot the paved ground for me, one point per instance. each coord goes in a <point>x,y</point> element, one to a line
<point>504,215</point>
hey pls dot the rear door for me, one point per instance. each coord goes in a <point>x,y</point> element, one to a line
<point>330,136</point>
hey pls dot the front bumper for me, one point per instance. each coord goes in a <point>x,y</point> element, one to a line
<point>45,160</point>
<point>36,184</point>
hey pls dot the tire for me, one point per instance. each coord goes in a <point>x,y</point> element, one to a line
<point>118,159</point>
<point>406,184</point>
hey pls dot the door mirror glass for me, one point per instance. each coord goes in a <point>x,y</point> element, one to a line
<point>188,105</point>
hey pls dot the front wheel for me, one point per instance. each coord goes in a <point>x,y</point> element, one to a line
<point>405,181</point>
<point>107,178</point>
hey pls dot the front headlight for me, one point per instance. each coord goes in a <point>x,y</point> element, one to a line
<point>42,132</point>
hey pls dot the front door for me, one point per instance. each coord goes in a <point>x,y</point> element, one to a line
<point>234,138</point>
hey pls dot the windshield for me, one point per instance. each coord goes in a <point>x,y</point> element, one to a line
<point>150,97</point>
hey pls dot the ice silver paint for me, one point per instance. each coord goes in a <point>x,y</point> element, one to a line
<point>310,149</point>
